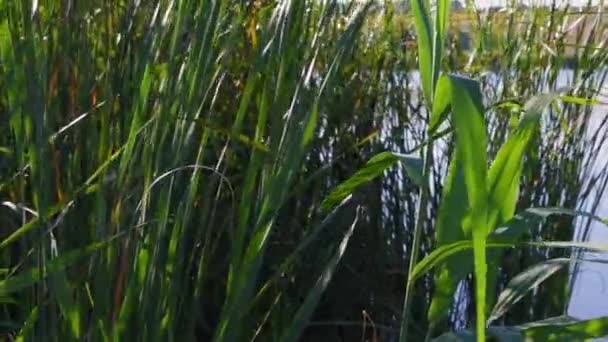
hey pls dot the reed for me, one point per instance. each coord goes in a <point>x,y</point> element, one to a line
<point>292,170</point>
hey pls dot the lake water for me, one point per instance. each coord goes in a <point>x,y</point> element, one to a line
<point>590,291</point>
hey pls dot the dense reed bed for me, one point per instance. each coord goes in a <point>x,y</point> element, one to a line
<point>285,170</point>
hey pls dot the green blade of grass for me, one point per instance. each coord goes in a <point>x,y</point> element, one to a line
<point>28,325</point>
<point>372,169</point>
<point>424,31</point>
<point>298,323</point>
<point>442,253</point>
<point>552,329</point>
<point>32,276</point>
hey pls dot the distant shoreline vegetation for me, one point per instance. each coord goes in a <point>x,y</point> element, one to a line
<point>486,32</point>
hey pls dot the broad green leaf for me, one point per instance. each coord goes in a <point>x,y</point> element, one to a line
<point>524,282</point>
<point>504,177</point>
<point>299,321</point>
<point>470,130</point>
<point>463,210</point>
<point>561,328</point>
<point>413,168</point>
<point>507,236</point>
<point>449,228</point>
<point>439,255</point>
<point>566,331</point>
<point>503,191</point>
<point>374,168</point>
<point>580,100</point>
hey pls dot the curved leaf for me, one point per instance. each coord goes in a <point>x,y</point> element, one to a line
<point>521,223</point>
<point>374,168</point>
<point>440,254</point>
<point>505,173</point>
<point>570,331</point>
<point>524,282</point>
<point>562,328</point>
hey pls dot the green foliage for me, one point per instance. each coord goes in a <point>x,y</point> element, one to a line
<point>551,329</point>
<point>566,330</point>
<point>165,168</point>
<point>470,131</point>
<point>372,169</point>
<point>503,179</point>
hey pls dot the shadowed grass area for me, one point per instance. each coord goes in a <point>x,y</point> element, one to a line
<point>267,170</point>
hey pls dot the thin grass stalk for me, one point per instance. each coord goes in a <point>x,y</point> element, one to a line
<point>415,247</point>
<point>431,30</point>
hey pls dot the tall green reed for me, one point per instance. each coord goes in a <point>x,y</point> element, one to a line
<point>177,155</point>
<point>150,171</point>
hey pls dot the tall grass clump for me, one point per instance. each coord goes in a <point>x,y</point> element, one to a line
<point>294,170</point>
<point>149,150</point>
